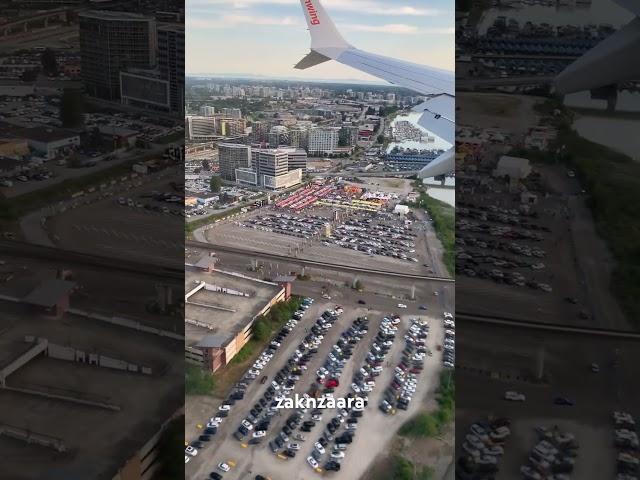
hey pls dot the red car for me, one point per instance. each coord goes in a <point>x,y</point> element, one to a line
<point>332,383</point>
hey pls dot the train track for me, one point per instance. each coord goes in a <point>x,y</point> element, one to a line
<point>14,248</point>
<point>547,327</point>
<point>316,263</point>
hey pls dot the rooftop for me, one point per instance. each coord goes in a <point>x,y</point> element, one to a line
<point>97,441</point>
<point>49,292</point>
<point>224,306</point>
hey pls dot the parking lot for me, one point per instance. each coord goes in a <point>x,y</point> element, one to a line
<point>548,254</point>
<point>136,219</point>
<point>374,240</point>
<point>341,360</point>
<point>577,393</point>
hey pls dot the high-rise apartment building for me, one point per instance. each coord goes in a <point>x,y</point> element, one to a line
<point>299,137</point>
<point>231,113</point>
<point>323,140</point>
<point>171,63</point>
<point>207,111</point>
<point>260,131</point>
<point>113,42</point>
<point>232,127</point>
<point>232,156</point>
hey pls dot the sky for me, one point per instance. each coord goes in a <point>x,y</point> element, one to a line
<point>267,37</point>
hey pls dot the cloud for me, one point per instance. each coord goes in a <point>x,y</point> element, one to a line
<point>229,21</point>
<point>367,7</point>
<point>399,29</point>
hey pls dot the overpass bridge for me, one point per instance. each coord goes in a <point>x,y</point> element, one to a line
<point>40,19</point>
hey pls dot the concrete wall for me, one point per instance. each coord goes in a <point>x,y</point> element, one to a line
<point>72,354</point>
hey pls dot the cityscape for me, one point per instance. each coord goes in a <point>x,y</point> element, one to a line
<point>287,186</point>
<point>319,267</point>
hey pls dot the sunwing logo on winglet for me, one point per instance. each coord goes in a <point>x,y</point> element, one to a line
<point>313,14</point>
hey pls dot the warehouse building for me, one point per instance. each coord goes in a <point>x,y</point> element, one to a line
<point>220,308</point>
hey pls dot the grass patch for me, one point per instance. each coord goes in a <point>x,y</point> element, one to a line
<point>426,425</point>
<point>189,227</point>
<point>444,223</point>
<point>403,469</point>
<point>198,381</point>
<point>245,353</point>
<point>612,181</point>
<point>17,206</point>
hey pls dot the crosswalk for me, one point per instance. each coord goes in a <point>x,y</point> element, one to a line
<point>110,232</point>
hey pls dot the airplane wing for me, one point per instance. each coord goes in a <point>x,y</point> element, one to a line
<point>612,61</point>
<point>438,111</point>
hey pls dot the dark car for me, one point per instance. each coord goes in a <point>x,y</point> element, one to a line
<point>215,476</point>
<point>204,438</point>
<point>362,302</point>
<point>563,401</point>
<point>263,380</point>
<point>210,430</point>
<point>197,444</point>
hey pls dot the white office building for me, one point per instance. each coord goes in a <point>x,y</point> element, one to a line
<point>200,128</point>
<point>323,140</point>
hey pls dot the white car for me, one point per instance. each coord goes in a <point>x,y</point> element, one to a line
<point>294,446</point>
<point>319,447</point>
<point>448,315</point>
<point>337,454</point>
<point>355,388</point>
<point>247,424</point>
<point>224,467</point>
<point>191,451</point>
<point>187,458</point>
<point>259,434</point>
<point>312,461</point>
<point>224,408</point>
<point>514,396</point>
<point>402,305</point>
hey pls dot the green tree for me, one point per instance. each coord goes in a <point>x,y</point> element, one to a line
<point>381,139</point>
<point>72,108</point>
<point>403,469</point>
<point>215,184</point>
<point>49,62</point>
<point>260,329</point>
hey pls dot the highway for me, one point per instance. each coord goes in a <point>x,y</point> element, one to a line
<point>549,327</point>
<point>315,263</point>
<point>17,249</point>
